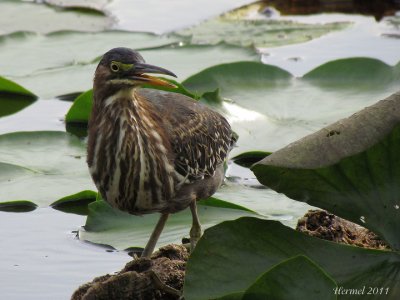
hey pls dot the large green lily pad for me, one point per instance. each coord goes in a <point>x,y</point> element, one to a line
<point>233,254</point>
<point>351,168</point>
<point>108,226</point>
<point>42,166</point>
<point>305,279</point>
<point>287,108</point>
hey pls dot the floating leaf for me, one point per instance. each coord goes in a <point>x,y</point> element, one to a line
<point>22,16</point>
<point>232,255</point>
<point>305,279</point>
<point>76,203</point>
<point>350,168</point>
<point>42,166</point>
<point>287,108</point>
<point>225,76</point>
<point>108,226</point>
<point>12,88</point>
<point>13,97</point>
<point>250,30</point>
<point>85,6</point>
<point>361,70</point>
<point>18,206</point>
<point>248,159</point>
<point>80,110</point>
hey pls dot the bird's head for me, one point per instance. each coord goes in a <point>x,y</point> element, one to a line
<point>126,68</point>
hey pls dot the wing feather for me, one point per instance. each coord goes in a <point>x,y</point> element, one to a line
<point>200,137</point>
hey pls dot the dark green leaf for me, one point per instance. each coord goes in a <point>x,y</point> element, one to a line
<point>180,88</point>
<point>214,202</point>
<point>295,278</point>
<point>233,254</point>
<point>350,168</point>
<point>248,159</point>
<point>362,70</point>
<point>12,88</point>
<point>18,206</point>
<point>76,203</point>
<point>13,97</point>
<point>225,76</point>
<point>80,109</point>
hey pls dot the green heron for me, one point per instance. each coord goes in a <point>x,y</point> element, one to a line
<point>152,151</point>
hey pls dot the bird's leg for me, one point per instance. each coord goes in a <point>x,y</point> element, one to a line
<point>195,231</point>
<point>151,244</point>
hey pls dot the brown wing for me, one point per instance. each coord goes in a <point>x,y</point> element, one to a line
<point>200,137</point>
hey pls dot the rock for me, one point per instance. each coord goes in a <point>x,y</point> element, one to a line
<point>160,277</point>
<point>324,225</point>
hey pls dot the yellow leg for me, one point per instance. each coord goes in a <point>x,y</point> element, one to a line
<point>195,231</point>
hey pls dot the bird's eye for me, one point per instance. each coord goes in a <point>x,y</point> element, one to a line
<point>114,67</point>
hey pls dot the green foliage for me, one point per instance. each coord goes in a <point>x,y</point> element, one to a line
<point>360,70</point>
<point>233,255</point>
<point>229,75</point>
<point>13,97</point>
<point>80,110</point>
<point>248,159</point>
<point>295,278</point>
<point>351,168</point>
<point>76,203</point>
<point>18,206</point>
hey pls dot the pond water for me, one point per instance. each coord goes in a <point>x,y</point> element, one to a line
<point>42,258</point>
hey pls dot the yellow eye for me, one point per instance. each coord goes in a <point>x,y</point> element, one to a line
<point>114,67</point>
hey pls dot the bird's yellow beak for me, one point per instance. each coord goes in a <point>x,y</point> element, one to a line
<point>157,81</point>
<point>141,69</point>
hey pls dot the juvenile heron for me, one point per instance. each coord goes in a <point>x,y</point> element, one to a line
<point>151,151</point>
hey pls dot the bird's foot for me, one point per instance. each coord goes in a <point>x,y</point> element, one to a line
<point>162,286</point>
<point>195,235</point>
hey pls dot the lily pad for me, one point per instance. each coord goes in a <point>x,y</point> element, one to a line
<point>76,203</point>
<point>88,6</point>
<point>251,29</point>
<point>350,168</point>
<point>18,206</point>
<point>42,166</point>
<point>22,16</point>
<point>232,255</point>
<point>287,108</point>
<point>13,97</point>
<point>361,70</point>
<point>12,88</point>
<point>248,159</point>
<point>108,226</point>
<point>305,279</point>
